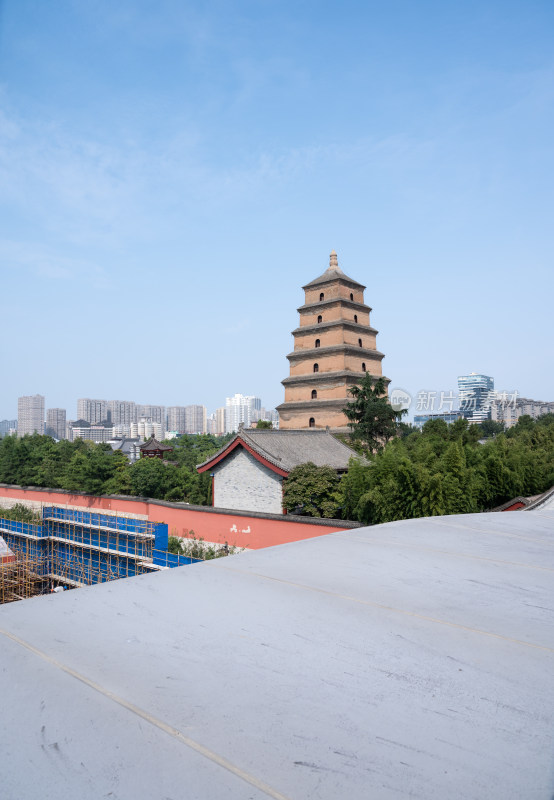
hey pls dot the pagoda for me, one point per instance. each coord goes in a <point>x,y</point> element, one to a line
<point>154,449</point>
<point>334,347</point>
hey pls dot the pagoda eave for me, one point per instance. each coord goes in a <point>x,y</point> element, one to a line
<point>339,375</point>
<point>334,278</point>
<point>333,301</point>
<point>335,323</point>
<point>302,405</point>
<point>349,349</point>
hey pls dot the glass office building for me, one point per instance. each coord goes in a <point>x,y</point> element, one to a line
<point>476,394</point>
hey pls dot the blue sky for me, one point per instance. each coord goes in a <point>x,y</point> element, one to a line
<point>171,173</point>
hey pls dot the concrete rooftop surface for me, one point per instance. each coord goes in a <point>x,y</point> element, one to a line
<point>408,660</point>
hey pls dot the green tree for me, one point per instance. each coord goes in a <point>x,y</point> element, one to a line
<point>120,481</point>
<point>313,491</point>
<point>149,478</point>
<point>354,486</point>
<point>437,428</point>
<point>90,469</point>
<point>372,420</point>
<point>264,424</point>
<point>21,513</point>
<point>174,545</point>
<point>490,428</point>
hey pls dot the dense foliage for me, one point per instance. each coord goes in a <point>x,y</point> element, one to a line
<point>371,418</point>
<point>445,470</point>
<point>312,490</point>
<point>442,469</point>
<point>198,548</point>
<point>21,513</point>
<point>83,466</point>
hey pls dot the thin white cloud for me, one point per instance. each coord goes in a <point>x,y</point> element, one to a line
<point>41,262</point>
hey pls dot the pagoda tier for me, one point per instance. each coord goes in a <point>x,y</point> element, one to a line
<point>334,347</point>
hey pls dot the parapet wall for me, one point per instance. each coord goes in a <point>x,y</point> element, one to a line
<point>244,529</point>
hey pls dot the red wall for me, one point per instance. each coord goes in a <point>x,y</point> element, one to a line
<point>515,506</point>
<point>237,529</point>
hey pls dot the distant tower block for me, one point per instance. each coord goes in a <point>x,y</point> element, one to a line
<point>333,349</point>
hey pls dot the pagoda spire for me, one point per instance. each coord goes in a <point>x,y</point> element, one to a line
<point>333,260</point>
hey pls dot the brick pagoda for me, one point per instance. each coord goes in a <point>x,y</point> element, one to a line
<point>333,349</point>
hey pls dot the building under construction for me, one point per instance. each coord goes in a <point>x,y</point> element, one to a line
<point>73,548</point>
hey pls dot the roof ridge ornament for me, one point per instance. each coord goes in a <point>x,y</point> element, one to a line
<point>333,260</point>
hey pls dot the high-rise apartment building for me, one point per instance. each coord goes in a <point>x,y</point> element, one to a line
<point>266,415</point>
<point>145,428</point>
<point>240,409</point>
<point>92,411</point>
<point>220,414</point>
<point>215,423</point>
<point>30,414</point>
<point>7,426</point>
<point>155,413</point>
<point>176,419</point>
<point>508,408</point>
<point>334,348</point>
<point>122,412</point>
<point>56,422</point>
<point>195,419</point>
<point>476,393</point>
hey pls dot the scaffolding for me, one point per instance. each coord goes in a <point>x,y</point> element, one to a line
<point>23,574</point>
<point>73,548</point>
<point>88,548</point>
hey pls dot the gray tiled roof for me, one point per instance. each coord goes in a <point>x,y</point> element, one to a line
<point>123,444</point>
<point>333,275</point>
<point>288,449</point>
<point>153,444</point>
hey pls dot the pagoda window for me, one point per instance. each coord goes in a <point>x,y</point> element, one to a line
<point>317,343</point>
<point>319,319</point>
<point>355,317</point>
<point>312,422</point>
<point>360,342</point>
<point>351,296</point>
<point>316,367</point>
<point>314,394</point>
<point>363,366</point>
<point>321,297</point>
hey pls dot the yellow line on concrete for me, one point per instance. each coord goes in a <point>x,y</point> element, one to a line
<point>158,723</point>
<point>373,604</point>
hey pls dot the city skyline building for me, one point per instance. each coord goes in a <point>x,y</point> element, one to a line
<point>93,433</point>
<point>215,423</point>
<point>190,419</point>
<point>155,413</point>
<point>265,415</point>
<point>334,348</point>
<point>121,412</point>
<point>176,419</point>
<point>145,428</point>
<point>508,408</point>
<point>220,417</point>
<point>30,414</point>
<point>92,411</point>
<point>240,409</point>
<point>195,419</point>
<point>56,420</point>
<point>447,416</point>
<point>8,427</point>
<point>476,393</point>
